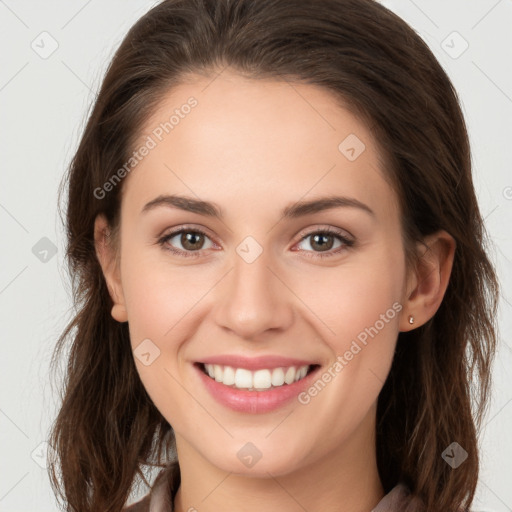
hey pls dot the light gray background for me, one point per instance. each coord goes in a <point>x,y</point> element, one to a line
<point>44,102</point>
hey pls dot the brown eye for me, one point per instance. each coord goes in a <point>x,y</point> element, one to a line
<point>323,241</point>
<point>192,241</point>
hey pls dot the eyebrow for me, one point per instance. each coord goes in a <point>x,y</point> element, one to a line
<point>296,210</point>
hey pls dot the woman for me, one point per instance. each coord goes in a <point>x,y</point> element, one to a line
<point>282,284</point>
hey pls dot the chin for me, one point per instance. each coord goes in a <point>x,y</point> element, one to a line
<point>276,464</point>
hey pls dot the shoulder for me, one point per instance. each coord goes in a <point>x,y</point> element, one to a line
<point>141,505</point>
<point>399,499</point>
<point>162,492</point>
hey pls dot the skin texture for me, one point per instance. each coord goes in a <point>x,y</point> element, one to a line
<point>254,147</point>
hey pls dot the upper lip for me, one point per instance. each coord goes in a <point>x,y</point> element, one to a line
<point>255,363</point>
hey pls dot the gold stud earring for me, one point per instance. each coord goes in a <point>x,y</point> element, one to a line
<point>411,319</point>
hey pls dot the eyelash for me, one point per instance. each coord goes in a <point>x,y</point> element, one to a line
<point>347,243</point>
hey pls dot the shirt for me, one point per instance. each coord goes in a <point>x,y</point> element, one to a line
<point>161,497</point>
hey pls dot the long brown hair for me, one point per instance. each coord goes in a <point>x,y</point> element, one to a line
<point>437,391</point>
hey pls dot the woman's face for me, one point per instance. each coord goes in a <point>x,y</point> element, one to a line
<point>261,287</point>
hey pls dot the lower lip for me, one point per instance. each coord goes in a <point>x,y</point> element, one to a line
<point>255,402</point>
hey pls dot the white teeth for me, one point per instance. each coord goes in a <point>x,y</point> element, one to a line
<point>243,378</point>
<point>228,377</point>
<point>289,376</point>
<point>277,377</point>
<point>260,379</point>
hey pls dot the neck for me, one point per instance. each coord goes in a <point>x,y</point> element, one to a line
<point>345,479</point>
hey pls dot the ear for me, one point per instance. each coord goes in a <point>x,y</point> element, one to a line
<point>109,262</point>
<point>428,282</point>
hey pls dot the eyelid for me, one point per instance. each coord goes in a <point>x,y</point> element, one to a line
<point>325,229</point>
<point>341,234</point>
<point>347,242</point>
<point>185,227</point>
<point>164,237</point>
<point>302,234</point>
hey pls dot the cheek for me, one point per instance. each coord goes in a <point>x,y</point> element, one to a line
<point>157,294</point>
<point>157,302</point>
<point>361,304</point>
<point>355,296</point>
<point>147,302</point>
<point>362,352</point>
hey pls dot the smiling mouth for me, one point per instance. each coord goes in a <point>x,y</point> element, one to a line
<point>258,380</point>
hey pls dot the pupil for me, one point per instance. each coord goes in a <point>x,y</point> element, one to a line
<point>323,246</point>
<point>189,240</point>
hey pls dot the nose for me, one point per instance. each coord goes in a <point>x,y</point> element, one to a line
<point>254,298</point>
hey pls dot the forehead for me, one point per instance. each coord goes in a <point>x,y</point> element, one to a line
<point>258,141</point>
